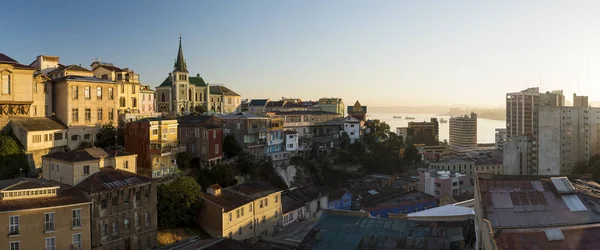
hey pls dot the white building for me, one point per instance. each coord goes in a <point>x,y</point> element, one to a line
<point>314,198</point>
<point>403,132</point>
<point>292,210</point>
<point>354,128</point>
<point>567,135</point>
<point>463,131</point>
<point>500,137</point>
<point>470,165</point>
<point>291,140</point>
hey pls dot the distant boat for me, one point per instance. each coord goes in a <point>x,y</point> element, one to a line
<point>397,117</point>
<point>409,118</point>
<point>442,120</point>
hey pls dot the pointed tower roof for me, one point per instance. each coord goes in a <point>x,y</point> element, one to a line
<point>180,63</point>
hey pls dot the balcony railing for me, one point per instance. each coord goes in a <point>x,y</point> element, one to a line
<point>166,149</point>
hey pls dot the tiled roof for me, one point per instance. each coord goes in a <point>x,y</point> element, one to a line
<point>348,230</point>
<point>308,192</point>
<point>65,196</point>
<point>21,66</point>
<point>110,67</point>
<point>114,153</point>
<point>37,123</point>
<point>71,67</point>
<point>573,238</point>
<point>6,59</point>
<point>82,79</point>
<point>533,201</point>
<point>109,179</point>
<point>243,115</point>
<point>78,155</point>
<point>197,80</point>
<point>289,204</point>
<point>258,102</point>
<point>216,90</point>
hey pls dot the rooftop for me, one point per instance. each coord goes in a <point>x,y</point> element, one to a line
<point>65,196</point>
<point>305,112</point>
<point>258,102</point>
<point>288,203</point>
<point>38,123</point>
<point>82,79</point>
<point>353,230</point>
<point>395,198</point>
<point>194,119</point>
<point>566,238</point>
<point>109,179</point>
<point>337,194</point>
<point>238,195</point>
<point>243,115</point>
<point>308,192</point>
<point>537,201</point>
<point>78,155</point>
<point>444,174</point>
<point>8,60</point>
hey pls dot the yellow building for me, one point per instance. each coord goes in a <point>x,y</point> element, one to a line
<point>42,83</point>
<point>242,211</point>
<point>16,92</point>
<point>86,103</point>
<point>156,143</point>
<point>41,214</point>
<point>128,81</point>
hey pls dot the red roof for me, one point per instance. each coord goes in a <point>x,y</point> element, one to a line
<point>575,238</point>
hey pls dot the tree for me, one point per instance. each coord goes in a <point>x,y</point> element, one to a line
<point>13,162</point>
<point>231,148</point>
<point>223,175</point>
<point>178,202</point>
<point>184,160</point>
<point>200,109</point>
<point>591,167</point>
<point>246,163</point>
<point>109,135</point>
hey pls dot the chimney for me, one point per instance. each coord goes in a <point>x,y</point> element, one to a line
<point>214,189</point>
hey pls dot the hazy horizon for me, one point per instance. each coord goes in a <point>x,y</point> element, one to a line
<point>382,53</point>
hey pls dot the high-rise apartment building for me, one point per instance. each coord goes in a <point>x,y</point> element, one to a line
<point>522,118</point>
<point>567,135</point>
<point>580,101</point>
<point>463,131</point>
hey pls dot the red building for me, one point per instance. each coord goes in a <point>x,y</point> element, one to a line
<point>202,137</point>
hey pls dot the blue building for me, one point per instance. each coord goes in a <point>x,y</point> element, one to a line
<point>340,200</point>
<point>397,202</point>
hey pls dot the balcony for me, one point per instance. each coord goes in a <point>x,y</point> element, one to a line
<point>166,148</point>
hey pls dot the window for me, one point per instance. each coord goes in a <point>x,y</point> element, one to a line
<point>276,198</point>
<point>15,245</point>
<point>50,243</point>
<point>122,85</point>
<point>267,202</point>
<point>230,216</point>
<point>216,148</point>
<point>75,113</point>
<point>110,94</point>
<point>77,240</point>
<point>58,136</point>
<point>126,223</point>
<point>134,102</point>
<point>86,170</point>
<point>126,164</point>
<point>5,84</point>
<point>86,93</point>
<point>171,131</point>
<point>13,225</point>
<point>99,112</point>
<point>162,97</point>
<point>77,217</point>
<point>214,134</point>
<point>205,134</point>
<point>99,93</point>
<point>261,204</point>
<point>35,110</point>
<point>37,138</point>
<point>242,211</point>
<point>250,207</point>
<point>133,89</point>
<point>88,114</point>
<point>147,219</point>
<point>49,221</point>
<point>264,219</point>
<point>115,228</point>
<point>137,220</point>
<point>122,102</point>
<point>111,114</point>
<point>229,100</point>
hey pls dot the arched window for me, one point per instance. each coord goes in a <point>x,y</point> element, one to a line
<point>162,97</point>
<point>189,94</point>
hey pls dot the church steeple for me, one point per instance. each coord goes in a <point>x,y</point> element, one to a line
<point>180,63</point>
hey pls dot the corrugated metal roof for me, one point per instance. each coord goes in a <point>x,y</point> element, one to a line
<point>562,184</point>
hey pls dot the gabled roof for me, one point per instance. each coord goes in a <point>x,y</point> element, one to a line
<point>109,179</point>
<point>258,102</point>
<point>167,82</point>
<point>254,189</point>
<point>216,90</point>
<point>242,115</point>
<point>38,123</point>
<point>6,59</point>
<point>308,192</point>
<point>82,79</point>
<point>80,155</point>
<point>241,194</point>
<point>111,67</point>
<point>228,92</point>
<point>289,204</point>
<point>66,195</point>
<point>71,67</point>
<point>180,63</point>
<point>275,104</point>
<point>197,80</point>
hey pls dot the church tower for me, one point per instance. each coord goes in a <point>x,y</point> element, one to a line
<point>181,84</point>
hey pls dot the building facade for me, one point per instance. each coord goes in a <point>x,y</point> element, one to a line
<point>580,101</point>
<point>358,111</point>
<point>500,137</point>
<point>41,214</point>
<point>16,95</point>
<point>440,182</point>
<point>424,132</point>
<point>340,200</point>
<point>146,98</point>
<point>463,131</point>
<point>40,136</point>
<point>567,135</point>
<point>156,143</point>
<point>242,211</point>
<point>333,105</point>
<point>250,131</point>
<point>128,83</point>
<point>275,142</point>
<point>354,128</point>
<point>180,93</point>
<point>314,198</point>
<point>202,137</point>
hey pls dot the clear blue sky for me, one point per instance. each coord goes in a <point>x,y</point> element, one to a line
<point>379,52</point>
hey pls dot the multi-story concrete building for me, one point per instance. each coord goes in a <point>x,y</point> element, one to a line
<point>156,143</point>
<point>128,83</point>
<point>123,213</point>
<point>180,93</point>
<point>147,102</point>
<point>39,136</point>
<point>291,141</point>
<point>16,94</point>
<point>42,88</point>
<point>333,105</point>
<point>567,135</point>
<point>518,155</point>
<point>41,214</point>
<point>242,211</point>
<point>580,101</point>
<point>249,129</point>
<point>85,103</point>
<point>463,131</point>
<point>470,164</point>
<point>424,132</point>
<point>404,132</point>
<point>440,182</point>
<point>275,142</point>
<point>202,137</point>
<point>354,128</point>
<point>522,119</point>
<point>500,137</point>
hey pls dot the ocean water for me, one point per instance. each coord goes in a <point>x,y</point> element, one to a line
<point>485,127</point>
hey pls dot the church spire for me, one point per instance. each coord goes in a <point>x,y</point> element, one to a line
<point>180,63</point>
